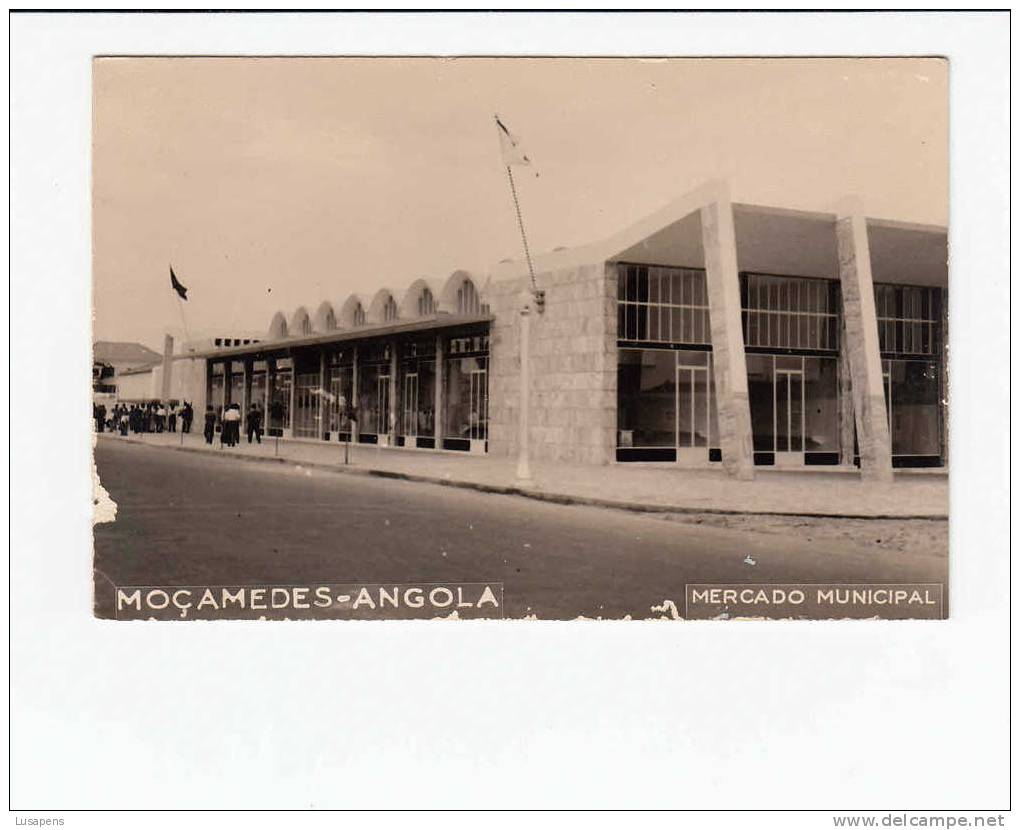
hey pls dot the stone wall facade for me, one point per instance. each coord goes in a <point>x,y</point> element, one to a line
<point>573,366</point>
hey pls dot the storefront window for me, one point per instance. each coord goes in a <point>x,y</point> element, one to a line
<point>913,390</point>
<point>794,404</point>
<point>216,390</point>
<point>418,396</point>
<point>237,383</point>
<point>761,394</point>
<point>306,405</point>
<point>339,399</point>
<point>373,399</point>
<point>280,381</point>
<point>467,398</point>
<point>258,385</point>
<point>821,404</point>
<point>646,398</point>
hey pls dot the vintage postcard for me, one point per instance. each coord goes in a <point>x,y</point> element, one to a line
<point>514,338</point>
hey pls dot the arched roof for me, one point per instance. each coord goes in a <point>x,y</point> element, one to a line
<point>325,317</point>
<point>345,319</point>
<point>448,299</point>
<point>300,322</point>
<point>408,306</point>
<point>375,313</point>
<point>278,326</point>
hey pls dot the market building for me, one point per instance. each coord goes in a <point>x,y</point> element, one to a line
<point>711,333</point>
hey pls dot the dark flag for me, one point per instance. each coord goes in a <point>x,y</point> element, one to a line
<point>175,284</point>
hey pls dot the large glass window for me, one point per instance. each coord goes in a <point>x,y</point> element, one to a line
<point>339,399</point>
<point>697,421</point>
<point>373,399</point>
<point>466,410</point>
<point>912,402</point>
<point>790,312</point>
<point>306,405</point>
<point>821,404</point>
<point>280,380</point>
<point>258,385</point>
<point>237,383</point>
<point>909,319</point>
<point>418,397</point>
<point>794,403</point>
<point>646,398</point>
<point>216,390</point>
<point>662,305</point>
<point>761,394</point>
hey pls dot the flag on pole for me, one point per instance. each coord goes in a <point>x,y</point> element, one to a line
<point>510,148</point>
<point>175,284</point>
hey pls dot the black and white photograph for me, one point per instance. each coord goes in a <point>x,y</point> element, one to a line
<point>344,371</point>
<point>498,412</point>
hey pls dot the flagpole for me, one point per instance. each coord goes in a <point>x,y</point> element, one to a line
<point>520,224</point>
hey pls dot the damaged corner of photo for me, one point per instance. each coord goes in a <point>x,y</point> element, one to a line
<point>535,378</point>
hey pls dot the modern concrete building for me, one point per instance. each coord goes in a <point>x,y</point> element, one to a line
<point>710,333</point>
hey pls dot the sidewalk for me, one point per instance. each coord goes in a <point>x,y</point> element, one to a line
<point>644,488</point>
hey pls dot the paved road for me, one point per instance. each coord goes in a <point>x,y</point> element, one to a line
<point>190,519</point>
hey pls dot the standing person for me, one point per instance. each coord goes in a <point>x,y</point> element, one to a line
<point>124,420</point>
<point>255,423</point>
<point>187,415</point>
<point>210,423</point>
<point>99,413</point>
<point>232,422</point>
<point>160,417</point>
<point>172,417</point>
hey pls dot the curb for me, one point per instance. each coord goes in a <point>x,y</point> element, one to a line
<point>537,495</point>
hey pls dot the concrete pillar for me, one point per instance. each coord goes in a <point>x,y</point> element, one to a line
<point>437,409</point>
<point>323,402</point>
<point>270,380</point>
<point>293,396</point>
<point>246,404</point>
<point>228,374</point>
<point>861,345</point>
<point>846,406</point>
<point>168,367</point>
<point>728,359</point>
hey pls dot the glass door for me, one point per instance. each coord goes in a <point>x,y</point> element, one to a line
<point>789,417</point>
<point>692,413</point>
<point>479,416</point>
<point>306,406</point>
<point>339,399</point>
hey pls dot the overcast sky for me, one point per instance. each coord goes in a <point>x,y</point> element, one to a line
<point>273,183</point>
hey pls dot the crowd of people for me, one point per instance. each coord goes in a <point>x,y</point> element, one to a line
<point>230,424</point>
<point>153,416</point>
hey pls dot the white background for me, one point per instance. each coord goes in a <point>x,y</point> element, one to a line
<point>830,716</point>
